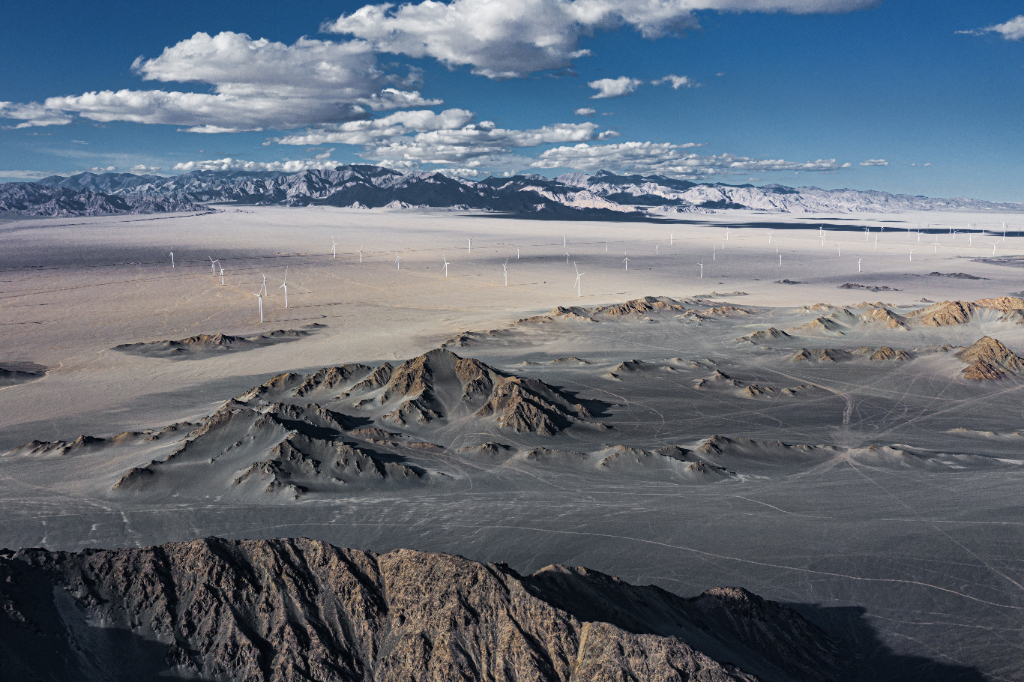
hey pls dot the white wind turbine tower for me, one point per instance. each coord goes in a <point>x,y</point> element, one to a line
<point>566,257</point>
<point>672,238</point>
<point>445,264</point>
<point>578,286</point>
<point>769,236</point>
<point>606,247</point>
<point>517,253</point>
<point>626,261</point>
<point>504,268</point>
<point>858,265</point>
<point>866,231</point>
<point>334,248</point>
<point>360,254</point>
<point>469,245</point>
<point>840,247</point>
<point>563,241</point>
<point>994,246</point>
<point>259,295</point>
<point>172,259</point>
<point>285,287</point>
<point>398,261</point>
<point>702,269</point>
<point>911,253</point>
<point>213,266</point>
<point>657,249</point>
<point>222,275</point>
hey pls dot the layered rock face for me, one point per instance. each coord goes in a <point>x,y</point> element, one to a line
<point>301,609</point>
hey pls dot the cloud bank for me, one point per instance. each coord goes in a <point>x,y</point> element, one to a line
<point>512,39</point>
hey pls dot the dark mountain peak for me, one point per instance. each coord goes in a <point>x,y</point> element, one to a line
<point>300,609</point>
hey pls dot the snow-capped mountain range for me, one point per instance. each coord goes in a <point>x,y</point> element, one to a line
<point>601,195</point>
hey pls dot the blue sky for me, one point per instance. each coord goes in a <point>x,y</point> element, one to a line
<point>928,93</point>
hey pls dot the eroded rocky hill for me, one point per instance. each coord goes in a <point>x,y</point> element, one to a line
<point>301,609</point>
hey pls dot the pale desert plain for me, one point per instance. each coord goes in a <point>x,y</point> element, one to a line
<point>831,436</point>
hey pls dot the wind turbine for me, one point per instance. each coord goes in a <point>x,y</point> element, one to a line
<point>566,257</point>
<point>172,259</point>
<point>672,238</point>
<point>259,295</point>
<point>840,247</point>
<point>858,265</point>
<point>285,287</point>
<point>626,261</point>
<point>994,246</point>
<point>504,267</point>
<point>578,285</point>
<point>445,265</point>
<point>334,248</point>
<point>213,266</point>
<point>398,261</point>
<point>866,231</point>
<point>606,247</point>
<point>657,247</point>
<point>702,269</point>
<point>911,253</point>
<point>360,254</point>
<point>469,246</point>
<point>769,236</point>
<point>563,241</point>
<point>222,275</point>
<point>517,253</point>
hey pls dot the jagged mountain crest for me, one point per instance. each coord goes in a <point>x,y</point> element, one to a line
<point>602,195</point>
<point>278,610</point>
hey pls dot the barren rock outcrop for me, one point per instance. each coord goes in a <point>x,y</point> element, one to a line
<point>283,610</point>
<point>990,360</point>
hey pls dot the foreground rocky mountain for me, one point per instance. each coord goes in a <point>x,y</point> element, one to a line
<point>305,610</point>
<point>603,195</point>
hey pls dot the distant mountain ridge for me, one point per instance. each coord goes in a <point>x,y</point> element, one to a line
<point>603,195</point>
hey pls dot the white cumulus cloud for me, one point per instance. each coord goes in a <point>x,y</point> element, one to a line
<point>511,39</point>
<point>584,111</point>
<point>874,162</point>
<point>392,125</point>
<point>677,81</point>
<point>32,114</point>
<point>1010,30</point>
<point>256,84</point>
<point>667,159</point>
<point>288,166</point>
<point>614,87</point>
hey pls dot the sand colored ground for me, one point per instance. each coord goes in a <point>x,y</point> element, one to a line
<point>847,465</point>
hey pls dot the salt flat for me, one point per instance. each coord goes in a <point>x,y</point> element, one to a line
<point>879,496</point>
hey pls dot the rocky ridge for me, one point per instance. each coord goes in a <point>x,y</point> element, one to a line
<point>283,610</point>
<point>601,195</point>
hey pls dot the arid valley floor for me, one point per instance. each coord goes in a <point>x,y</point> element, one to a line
<point>845,439</point>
